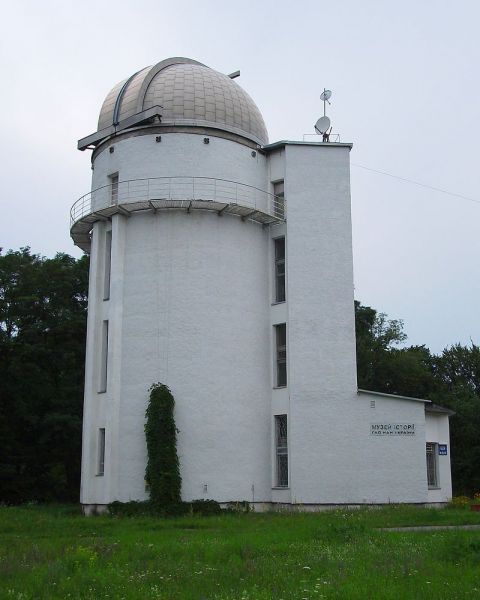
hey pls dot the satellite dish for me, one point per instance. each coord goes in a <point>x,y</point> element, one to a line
<point>326,95</point>
<point>322,125</point>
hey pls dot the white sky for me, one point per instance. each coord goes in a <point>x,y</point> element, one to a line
<point>405,87</point>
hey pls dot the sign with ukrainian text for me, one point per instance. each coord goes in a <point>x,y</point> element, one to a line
<point>392,429</point>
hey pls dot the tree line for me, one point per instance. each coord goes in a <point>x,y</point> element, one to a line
<point>43,309</point>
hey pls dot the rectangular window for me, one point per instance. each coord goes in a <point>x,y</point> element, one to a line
<point>281,450</point>
<point>108,264</point>
<point>101,451</point>
<point>281,354</point>
<point>113,188</point>
<point>432,465</point>
<point>280,269</point>
<point>104,358</point>
<point>279,200</point>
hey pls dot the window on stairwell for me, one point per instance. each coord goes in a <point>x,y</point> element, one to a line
<point>281,354</point>
<point>101,451</point>
<point>281,451</point>
<point>279,200</point>
<point>279,269</point>
<point>103,358</point>
<point>113,188</point>
<point>108,264</point>
<point>432,465</point>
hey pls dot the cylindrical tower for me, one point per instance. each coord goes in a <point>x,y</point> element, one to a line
<point>179,284</point>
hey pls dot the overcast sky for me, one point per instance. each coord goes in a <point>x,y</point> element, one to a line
<point>405,81</point>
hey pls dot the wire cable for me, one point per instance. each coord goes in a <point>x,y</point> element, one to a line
<point>424,185</point>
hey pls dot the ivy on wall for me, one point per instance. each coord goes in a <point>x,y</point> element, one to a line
<point>163,472</point>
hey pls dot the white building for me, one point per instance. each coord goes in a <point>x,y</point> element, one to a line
<point>221,265</point>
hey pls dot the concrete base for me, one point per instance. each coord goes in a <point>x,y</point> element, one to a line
<point>90,510</point>
<point>260,507</point>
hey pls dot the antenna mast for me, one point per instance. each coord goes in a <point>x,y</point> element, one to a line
<point>322,126</point>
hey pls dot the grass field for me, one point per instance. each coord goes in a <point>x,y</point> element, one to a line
<point>53,552</point>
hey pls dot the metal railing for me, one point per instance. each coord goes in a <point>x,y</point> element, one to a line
<point>174,191</point>
<point>333,138</point>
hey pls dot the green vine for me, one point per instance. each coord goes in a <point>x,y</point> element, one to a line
<point>163,472</point>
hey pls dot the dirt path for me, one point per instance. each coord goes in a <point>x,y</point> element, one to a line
<point>431,528</point>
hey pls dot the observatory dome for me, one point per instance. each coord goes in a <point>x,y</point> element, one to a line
<point>190,94</point>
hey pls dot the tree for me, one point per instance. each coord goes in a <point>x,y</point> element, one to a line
<point>42,351</point>
<point>375,338</point>
<point>457,369</point>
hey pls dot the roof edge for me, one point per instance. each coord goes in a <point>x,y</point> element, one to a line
<point>283,143</point>
<point>437,409</point>
<point>393,396</point>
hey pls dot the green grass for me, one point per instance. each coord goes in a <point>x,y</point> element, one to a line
<point>54,552</point>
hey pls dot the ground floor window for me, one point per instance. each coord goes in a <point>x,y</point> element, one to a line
<point>432,465</point>
<point>281,448</point>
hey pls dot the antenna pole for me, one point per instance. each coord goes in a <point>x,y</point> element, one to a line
<point>324,89</point>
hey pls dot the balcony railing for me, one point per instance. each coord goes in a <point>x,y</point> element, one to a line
<point>172,190</point>
<point>160,193</point>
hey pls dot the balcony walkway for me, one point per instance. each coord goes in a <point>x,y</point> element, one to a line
<point>168,193</point>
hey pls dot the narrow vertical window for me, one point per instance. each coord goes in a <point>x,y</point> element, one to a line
<point>432,465</point>
<point>113,188</point>
<point>108,265</point>
<point>104,358</point>
<point>281,450</point>
<point>279,200</point>
<point>101,451</point>
<point>281,354</point>
<point>280,269</point>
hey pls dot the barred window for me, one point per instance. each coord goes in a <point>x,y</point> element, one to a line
<point>103,358</point>
<point>101,451</point>
<point>281,354</point>
<point>280,269</point>
<point>113,188</point>
<point>108,264</point>
<point>279,200</point>
<point>432,465</point>
<point>281,450</point>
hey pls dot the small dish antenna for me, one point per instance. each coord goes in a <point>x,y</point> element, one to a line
<point>326,95</point>
<point>322,126</point>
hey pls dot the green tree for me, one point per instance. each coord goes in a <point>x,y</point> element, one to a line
<point>457,370</point>
<point>42,351</point>
<point>376,336</point>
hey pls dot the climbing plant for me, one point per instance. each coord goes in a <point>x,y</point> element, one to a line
<point>163,472</point>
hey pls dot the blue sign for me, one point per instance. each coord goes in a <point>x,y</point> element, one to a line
<point>442,449</point>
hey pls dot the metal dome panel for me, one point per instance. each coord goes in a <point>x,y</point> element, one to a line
<point>190,93</point>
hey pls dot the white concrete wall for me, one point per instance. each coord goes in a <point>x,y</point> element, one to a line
<point>180,154</point>
<point>389,468</point>
<point>437,430</point>
<point>196,318</point>
<point>333,457</point>
<point>94,415</point>
<point>321,343</point>
<point>194,298</point>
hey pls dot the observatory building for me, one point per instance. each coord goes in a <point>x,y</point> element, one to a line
<point>221,266</point>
